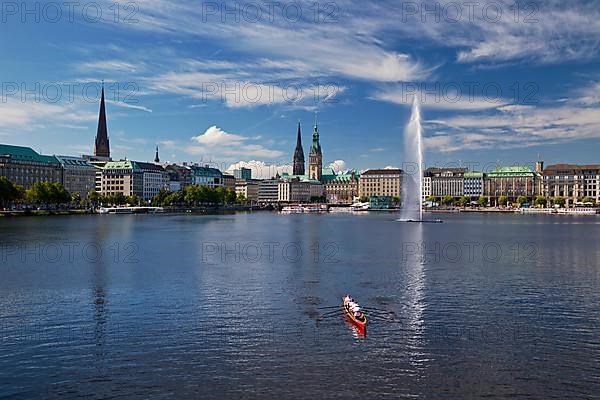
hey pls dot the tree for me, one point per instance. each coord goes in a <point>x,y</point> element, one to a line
<point>502,200</point>
<point>94,198</point>
<point>48,193</point>
<point>364,199</point>
<point>541,201</point>
<point>464,201</point>
<point>589,199</point>
<point>432,199</point>
<point>559,201</point>
<point>159,199</point>
<point>521,200</point>
<point>482,201</point>
<point>396,200</point>
<point>448,200</point>
<point>132,200</point>
<point>230,196</point>
<point>9,192</point>
<point>241,198</point>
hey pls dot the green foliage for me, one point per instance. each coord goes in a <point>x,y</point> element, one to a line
<point>521,200</point>
<point>195,195</point>
<point>230,196</point>
<point>432,199</point>
<point>541,201</point>
<point>396,200</point>
<point>589,199</point>
<point>364,199</point>
<point>48,193</point>
<point>448,200</point>
<point>503,200</point>
<point>482,201</point>
<point>241,198</point>
<point>559,201</point>
<point>464,201</point>
<point>9,192</point>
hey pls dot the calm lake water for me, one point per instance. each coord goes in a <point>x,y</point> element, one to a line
<point>212,307</point>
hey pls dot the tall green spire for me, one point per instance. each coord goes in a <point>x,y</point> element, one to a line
<point>316,146</point>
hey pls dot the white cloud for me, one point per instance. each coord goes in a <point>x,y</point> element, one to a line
<point>34,115</point>
<point>338,166</point>
<point>515,126</point>
<point>128,105</point>
<point>439,97</point>
<point>350,46</point>
<point>260,169</point>
<point>110,66</point>
<point>216,143</point>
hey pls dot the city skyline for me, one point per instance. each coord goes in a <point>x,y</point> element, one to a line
<point>191,93</point>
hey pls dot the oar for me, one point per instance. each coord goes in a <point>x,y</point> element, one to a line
<point>378,309</point>
<point>329,314</point>
<point>328,307</point>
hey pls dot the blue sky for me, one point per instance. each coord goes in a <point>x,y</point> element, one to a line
<point>228,82</point>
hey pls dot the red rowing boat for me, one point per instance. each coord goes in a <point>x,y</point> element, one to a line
<point>353,312</point>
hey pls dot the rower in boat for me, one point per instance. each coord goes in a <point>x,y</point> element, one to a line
<point>354,312</point>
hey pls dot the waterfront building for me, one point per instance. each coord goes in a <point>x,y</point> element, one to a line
<point>247,188</point>
<point>473,185</point>
<point>511,182</point>
<point>268,191</point>
<point>180,177</point>
<point>381,182</point>
<point>315,157</point>
<point>294,191</point>
<point>78,175</point>
<point>426,186</point>
<point>154,178</point>
<point>102,145</point>
<point>118,177</point>
<point>340,188</point>
<point>130,178</point>
<point>24,166</point>
<point>206,176</point>
<point>446,181</point>
<point>299,162</point>
<point>242,173</point>
<point>229,181</point>
<point>572,182</point>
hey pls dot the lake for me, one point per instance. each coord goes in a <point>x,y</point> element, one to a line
<point>212,307</point>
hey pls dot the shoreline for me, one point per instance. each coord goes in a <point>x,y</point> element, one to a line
<point>234,210</point>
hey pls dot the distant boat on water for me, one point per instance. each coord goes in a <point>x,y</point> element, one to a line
<point>130,210</point>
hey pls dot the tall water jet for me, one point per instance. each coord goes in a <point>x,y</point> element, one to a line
<point>412,183</point>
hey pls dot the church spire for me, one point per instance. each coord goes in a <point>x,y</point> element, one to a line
<point>102,146</point>
<point>315,157</point>
<point>316,146</point>
<point>156,159</point>
<point>299,154</point>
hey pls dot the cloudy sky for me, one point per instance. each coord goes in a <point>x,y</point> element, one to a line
<point>499,81</point>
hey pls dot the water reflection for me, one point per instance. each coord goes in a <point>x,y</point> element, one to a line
<point>357,333</point>
<point>413,296</point>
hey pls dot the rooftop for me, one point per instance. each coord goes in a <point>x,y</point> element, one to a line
<point>22,153</point>
<point>511,171</point>
<point>473,174</point>
<point>387,171</point>
<point>569,168</point>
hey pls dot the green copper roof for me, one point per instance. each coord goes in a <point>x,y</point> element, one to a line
<point>473,174</point>
<point>123,164</point>
<point>21,153</point>
<point>511,171</point>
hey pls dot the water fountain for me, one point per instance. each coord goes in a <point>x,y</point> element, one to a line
<point>412,183</point>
